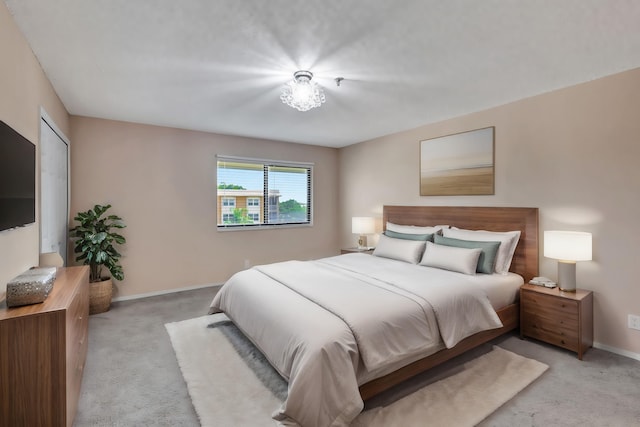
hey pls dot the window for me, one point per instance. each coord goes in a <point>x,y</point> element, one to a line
<point>259,193</point>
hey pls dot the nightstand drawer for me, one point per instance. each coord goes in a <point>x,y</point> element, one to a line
<point>555,333</point>
<point>551,335</point>
<point>541,303</point>
<point>551,318</point>
<point>555,314</point>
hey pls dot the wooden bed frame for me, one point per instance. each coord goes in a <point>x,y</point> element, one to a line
<point>525,263</point>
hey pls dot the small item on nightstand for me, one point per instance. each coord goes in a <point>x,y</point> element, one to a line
<point>543,281</point>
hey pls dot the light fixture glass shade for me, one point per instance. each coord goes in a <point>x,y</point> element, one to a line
<point>301,93</point>
<point>567,245</point>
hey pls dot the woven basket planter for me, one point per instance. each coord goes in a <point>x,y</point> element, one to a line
<point>100,296</point>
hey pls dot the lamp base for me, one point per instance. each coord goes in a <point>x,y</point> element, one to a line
<point>362,242</point>
<point>567,276</point>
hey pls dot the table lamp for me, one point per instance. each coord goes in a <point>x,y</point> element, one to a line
<point>567,247</point>
<point>363,225</point>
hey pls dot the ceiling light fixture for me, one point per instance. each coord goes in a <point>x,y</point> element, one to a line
<point>301,93</point>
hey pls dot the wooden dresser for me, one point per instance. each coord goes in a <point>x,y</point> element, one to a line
<point>560,318</point>
<point>42,353</point>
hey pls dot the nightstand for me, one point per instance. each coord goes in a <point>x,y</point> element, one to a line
<point>564,319</point>
<point>356,250</point>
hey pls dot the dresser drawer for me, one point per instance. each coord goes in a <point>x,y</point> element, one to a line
<point>75,365</point>
<point>77,340</point>
<point>78,317</point>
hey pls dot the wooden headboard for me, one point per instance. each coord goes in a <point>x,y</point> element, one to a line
<point>525,258</point>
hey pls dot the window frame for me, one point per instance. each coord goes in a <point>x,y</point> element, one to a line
<point>264,206</point>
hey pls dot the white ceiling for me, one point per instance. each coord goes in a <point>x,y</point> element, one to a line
<point>219,65</point>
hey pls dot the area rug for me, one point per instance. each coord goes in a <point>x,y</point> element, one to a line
<point>231,383</point>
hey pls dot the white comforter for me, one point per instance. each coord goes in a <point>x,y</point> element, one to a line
<point>328,325</point>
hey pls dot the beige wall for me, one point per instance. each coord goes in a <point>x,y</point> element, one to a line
<point>162,182</point>
<point>573,153</point>
<point>24,88</point>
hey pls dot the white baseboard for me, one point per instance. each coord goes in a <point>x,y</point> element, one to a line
<point>166,291</point>
<point>616,350</point>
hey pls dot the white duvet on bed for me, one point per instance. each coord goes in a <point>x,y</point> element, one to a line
<point>332,324</point>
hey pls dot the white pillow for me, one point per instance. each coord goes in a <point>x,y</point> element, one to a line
<point>400,249</point>
<point>462,260</point>
<point>414,229</point>
<point>508,242</point>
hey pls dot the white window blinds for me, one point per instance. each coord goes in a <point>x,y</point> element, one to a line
<point>266,193</point>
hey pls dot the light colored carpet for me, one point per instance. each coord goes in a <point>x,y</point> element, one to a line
<point>231,383</point>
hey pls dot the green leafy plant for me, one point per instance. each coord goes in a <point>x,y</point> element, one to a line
<point>95,242</point>
<point>241,216</point>
<point>224,186</point>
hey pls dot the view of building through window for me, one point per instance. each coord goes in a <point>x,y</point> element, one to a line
<point>251,193</point>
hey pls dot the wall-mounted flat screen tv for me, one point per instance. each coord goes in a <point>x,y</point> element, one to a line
<point>17,179</point>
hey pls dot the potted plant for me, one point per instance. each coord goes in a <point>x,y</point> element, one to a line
<point>95,240</point>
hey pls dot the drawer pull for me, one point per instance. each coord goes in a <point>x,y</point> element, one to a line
<point>562,341</point>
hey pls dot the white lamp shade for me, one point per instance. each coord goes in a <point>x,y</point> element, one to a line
<point>567,245</point>
<point>363,225</point>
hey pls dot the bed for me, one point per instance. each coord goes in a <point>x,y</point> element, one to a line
<point>343,329</point>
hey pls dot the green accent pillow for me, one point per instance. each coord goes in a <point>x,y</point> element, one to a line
<point>407,236</point>
<point>487,260</point>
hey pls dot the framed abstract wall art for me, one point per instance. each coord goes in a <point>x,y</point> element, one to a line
<point>461,164</point>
